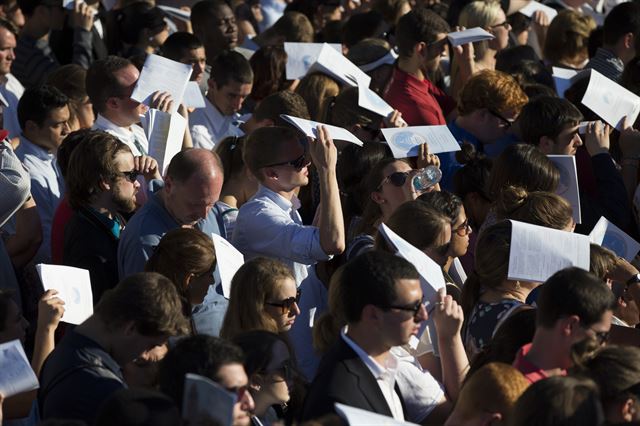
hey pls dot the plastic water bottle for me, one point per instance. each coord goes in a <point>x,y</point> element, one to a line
<point>426,178</point>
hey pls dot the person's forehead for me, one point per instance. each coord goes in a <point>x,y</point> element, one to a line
<point>6,36</point>
<point>408,289</point>
<point>124,160</point>
<point>222,12</point>
<point>127,75</point>
<point>58,114</point>
<point>232,375</point>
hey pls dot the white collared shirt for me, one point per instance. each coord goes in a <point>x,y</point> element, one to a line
<point>269,225</point>
<point>385,375</point>
<point>208,126</point>
<point>128,136</point>
<point>12,90</point>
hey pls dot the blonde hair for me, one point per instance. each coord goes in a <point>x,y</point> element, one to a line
<point>315,89</point>
<point>255,282</point>
<point>479,13</point>
<point>568,37</point>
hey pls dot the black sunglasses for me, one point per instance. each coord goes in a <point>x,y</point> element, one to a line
<point>414,309</point>
<point>286,305</point>
<point>298,164</point>
<point>507,123</point>
<point>131,176</point>
<point>396,179</point>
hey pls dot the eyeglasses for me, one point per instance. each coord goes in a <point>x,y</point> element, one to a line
<point>464,229</point>
<point>601,336</point>
<point>131,176</point>
<point>504,24</point>
<point>298,164</point>
<point>238,391</point>
<point>286,305</point>
<point>505,123</point>
<point>414,309</point>
<point>396,179</point>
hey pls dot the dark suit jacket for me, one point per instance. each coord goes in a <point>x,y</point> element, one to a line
<point>343,377</point>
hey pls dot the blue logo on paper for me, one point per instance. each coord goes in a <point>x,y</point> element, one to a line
<point>407,140</point>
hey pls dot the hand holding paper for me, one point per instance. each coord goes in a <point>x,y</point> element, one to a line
<point>471,35</point>
<point>610,101</point>
<point>74,288</point>
<point>310,128</point>
<point>160,74</point>
<point>405,141</point>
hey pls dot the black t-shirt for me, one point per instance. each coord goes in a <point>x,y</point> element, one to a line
<point>76,378</point>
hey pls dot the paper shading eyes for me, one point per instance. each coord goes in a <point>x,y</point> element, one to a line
<point>407,140</point>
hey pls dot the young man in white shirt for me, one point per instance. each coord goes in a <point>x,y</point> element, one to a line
<point>269,224</point>
<point>230,83</point>
<point>10,88</point>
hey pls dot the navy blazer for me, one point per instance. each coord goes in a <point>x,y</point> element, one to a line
<point>343,377</point>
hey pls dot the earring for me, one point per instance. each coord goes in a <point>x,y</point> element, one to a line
<point>517,285</point>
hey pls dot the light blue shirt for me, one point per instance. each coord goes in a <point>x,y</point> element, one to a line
<point>269,225</point>
<point>47,188</point>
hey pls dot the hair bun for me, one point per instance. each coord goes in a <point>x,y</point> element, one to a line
<point>510,199</point>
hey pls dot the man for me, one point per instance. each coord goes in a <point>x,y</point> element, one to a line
<point>421,37</point>
<point>192,186</point>
<point>110,83</point>
<point>383,308</point>
<point>269,110</point>
<point>215,359</point>
<point>10,87</point>
<point>230,83</point>
<point>551,124</point>
<point>621,26</point>
<point>574,315</point>
<point>34,58</point>
<point>488,105</point>
<point>101,183</point>
<point>215,25</point>
<point>84,369</point>
<point>269,224</point>
<point>293,27</point>
<point>188,49</point>
<point>43,114</point>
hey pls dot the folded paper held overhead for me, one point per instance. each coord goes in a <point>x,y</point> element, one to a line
<point>610,101</point>
<point>309,128</point>
<point>564,78</point>
<point>568,186</point>
<point>534,6</point>
<point>301,56</point>
<point>74,289</point>
<point>458,38</point>
<point>607,235</point>
<point>405,141</point>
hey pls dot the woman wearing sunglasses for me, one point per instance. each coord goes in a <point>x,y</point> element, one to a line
<point>263,297</point>
<point>269,367</point>
<point>389,185</point>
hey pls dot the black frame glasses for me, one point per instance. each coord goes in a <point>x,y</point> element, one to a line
<point>298,164</point>
<point>396,179</point>
<point>504,24</point>
<point>507,123</point>
<point>286,305</point>
<point>131,175</point>
<point>414,309</point>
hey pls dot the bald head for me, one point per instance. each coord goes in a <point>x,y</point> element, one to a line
<point>192,185</point>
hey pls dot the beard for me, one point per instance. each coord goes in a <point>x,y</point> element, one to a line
<point>123,203</point>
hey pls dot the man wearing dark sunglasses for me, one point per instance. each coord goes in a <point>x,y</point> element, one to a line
<point>269,224</point>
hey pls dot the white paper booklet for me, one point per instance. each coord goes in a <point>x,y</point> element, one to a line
<point>534,6</point>
<point>165,133</point>
<point>607,235</point>
<point>564,78</point>
<point>405,141</point>
<point>204,401</point>
<point>336,65</point>
<point>174,12</point>
<point>193,96</point>
<point>538,252</point>
<point>611,101</point>
<point>74,288</point>
<point>16,374</point>
<point>359,417</point>
<point>309,128</point>
<point>368,99</point>
<point>228,261</point>
<point>162,74</point>
<point>568,187</point>
<point>471,35</point>
<point>301,56</point>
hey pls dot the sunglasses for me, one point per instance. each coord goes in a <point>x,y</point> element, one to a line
<point>238,391</point>
<point>414,309</point>
<point>396,179</point>
<point>286,305</point>
<point>464,229</point>
<point>504,24</point>
<point>298,164</point>
<point>505,123</point>
<point>131,176</point>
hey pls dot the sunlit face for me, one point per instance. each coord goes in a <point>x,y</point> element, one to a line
<point>391,196</point>
<point>432,53</point>
<point>7,46</point>
<point>286,176</point>
<point>52,131</point>
<point>441,249</point>
<point>190,201</point>
<point>197,59</point>
<point>230,97</point>
<point>123,193</point>
<point>500,29</point>
<point>460,231</point>
<point>285,314</point>
<point>568,141</point>
<point>400,324</point>
<point>221,32</point>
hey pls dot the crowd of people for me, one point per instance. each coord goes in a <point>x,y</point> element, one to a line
<point>324,308</point>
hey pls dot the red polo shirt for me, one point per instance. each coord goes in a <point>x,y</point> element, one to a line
<point>420,101</point>
<point>530,371</point>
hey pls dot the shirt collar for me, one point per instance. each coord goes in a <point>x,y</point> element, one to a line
<point>278,199</point>
<point>29,147</point>
<point>378,371</point>
<point>216,118</point>
<point>122,133</point>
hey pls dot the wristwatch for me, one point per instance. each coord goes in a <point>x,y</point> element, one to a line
<point>633,280</point>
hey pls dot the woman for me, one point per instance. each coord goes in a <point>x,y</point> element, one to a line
<point>536,207</point>
<point>141,29</point>
<point>263,297</point>
<point>567,41</point>
<point>488,296</point>
<point>187,257</point>
<point>269,367</point>
<point>314,89</point>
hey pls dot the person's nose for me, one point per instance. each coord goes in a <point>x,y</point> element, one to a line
<point>577,140</point>
<point>295,309</point>
<point>423,315</point>
<point>247,404</point>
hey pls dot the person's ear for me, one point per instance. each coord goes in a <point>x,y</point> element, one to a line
<point>492,419</point>
<point>187,281</point>
<point>545,145</point>
<point>105,185</point>
<point>270,173</point>
<point>112,103</point>
<point>628,40</point>
<point>370,312</point>
<point>212,85</point>
<point>628,410</point>
<point>420,48</point>
<point>569,324</point>
<point>377,197</point>
<point>31,126</point>
<point>256,382</point>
